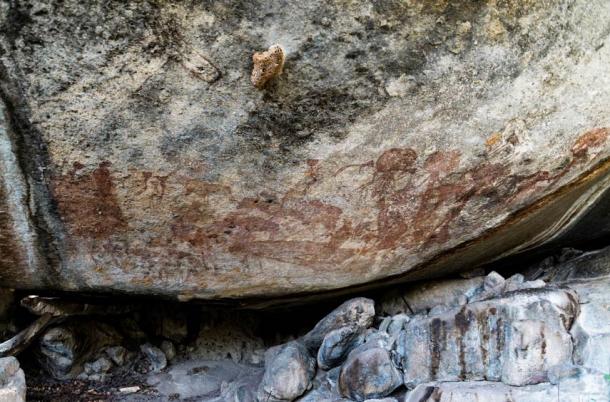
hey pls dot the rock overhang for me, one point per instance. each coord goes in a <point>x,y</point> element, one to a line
<point>401,142</point>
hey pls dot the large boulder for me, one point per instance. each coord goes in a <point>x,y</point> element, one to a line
<point>289,370</point>
<point>368,373</point>
<point>401,141</point>
<point>514,339</point>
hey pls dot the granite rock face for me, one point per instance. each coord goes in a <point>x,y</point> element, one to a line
<point>289,370</point>
<point>368,374</point>
<point>515,339</point>
<point>12,381</point>
<point>402,140</point>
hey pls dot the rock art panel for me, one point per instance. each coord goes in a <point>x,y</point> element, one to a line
<point>150,164</point>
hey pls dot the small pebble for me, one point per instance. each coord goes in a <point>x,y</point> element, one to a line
<point>129,390</point>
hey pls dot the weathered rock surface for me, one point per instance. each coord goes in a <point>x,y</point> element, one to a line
<point>577,385</point>
<point>210,381</point>
<point>64,349</point>
<point>367,374</point>
<point>358,313</point>
<point>12,381</point>
<point>402,140</point>
<point>337,344</point>
<point>155,356</point>
<point>289,370</point>
<point>514,339</point>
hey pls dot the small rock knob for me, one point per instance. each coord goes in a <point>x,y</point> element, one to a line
<point>267,65</point>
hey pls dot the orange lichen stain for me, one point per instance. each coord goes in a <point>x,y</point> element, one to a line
<point>492,140</point>
<point>267,65</point>
<point>87,202</point>
<point>591,139</point>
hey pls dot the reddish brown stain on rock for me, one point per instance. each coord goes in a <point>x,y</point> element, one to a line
<point>591,139</point>
<point>87,202</point>
<point>416,205</point>
<point>396,160</point>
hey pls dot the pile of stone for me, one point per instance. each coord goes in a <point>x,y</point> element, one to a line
<point>486,338</point>
<point>482,338</point>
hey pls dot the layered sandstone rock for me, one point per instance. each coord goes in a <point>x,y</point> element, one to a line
<point>401,141</point>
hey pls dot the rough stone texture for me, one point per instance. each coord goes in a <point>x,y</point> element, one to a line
<point>156,357</point>
<point>336,346</point>
<point>289,370</point>
<point>358,312</point>
<point>569,385</point>
<point>422,297</point>
<point>210,381</point>
<point>63,349</point>
<point>514,339</point>
<point>403,140</point>
<point>12,381</point>
<point>368,373</point>
<point>591,329</point>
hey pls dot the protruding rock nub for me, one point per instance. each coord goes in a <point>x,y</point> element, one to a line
<point>267,65</point>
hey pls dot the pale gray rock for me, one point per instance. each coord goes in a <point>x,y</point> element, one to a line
<point>358,312</point>
<point>99,366</point>
<point>206,380</point>
<point>59,348</point>
<point>168,349</point>
<point>591,329</point>
<point>481,391</point>
<point>494,282</point>
<point>368,374</point>
<point>571,384</point>
<point>12,380</point>
<point>155,356</point>
<point>397,323</point>
<point>289,370</point>
<point>118,354</point>
<point>513,283</point>
<point>137,157</point>
<point>514,339</point>
<point>322,396</point>
<point>337,344</point>
<point>65,348</point>
<point>382,400</point>
<point>493,286</point>
<point>426,296</point>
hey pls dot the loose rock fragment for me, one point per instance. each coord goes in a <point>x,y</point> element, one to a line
<point>369,374</point>
<point>267,65</point>
<point>117,354</point>
<point>129,390</point>
<point>336,345</point>
<point>12,381</point>
<point>359,312</point>
<point>99,366</point>
<point>289,370</point>
<point>156,357</point>
<point>169,349</point>
<point>63,349</point>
